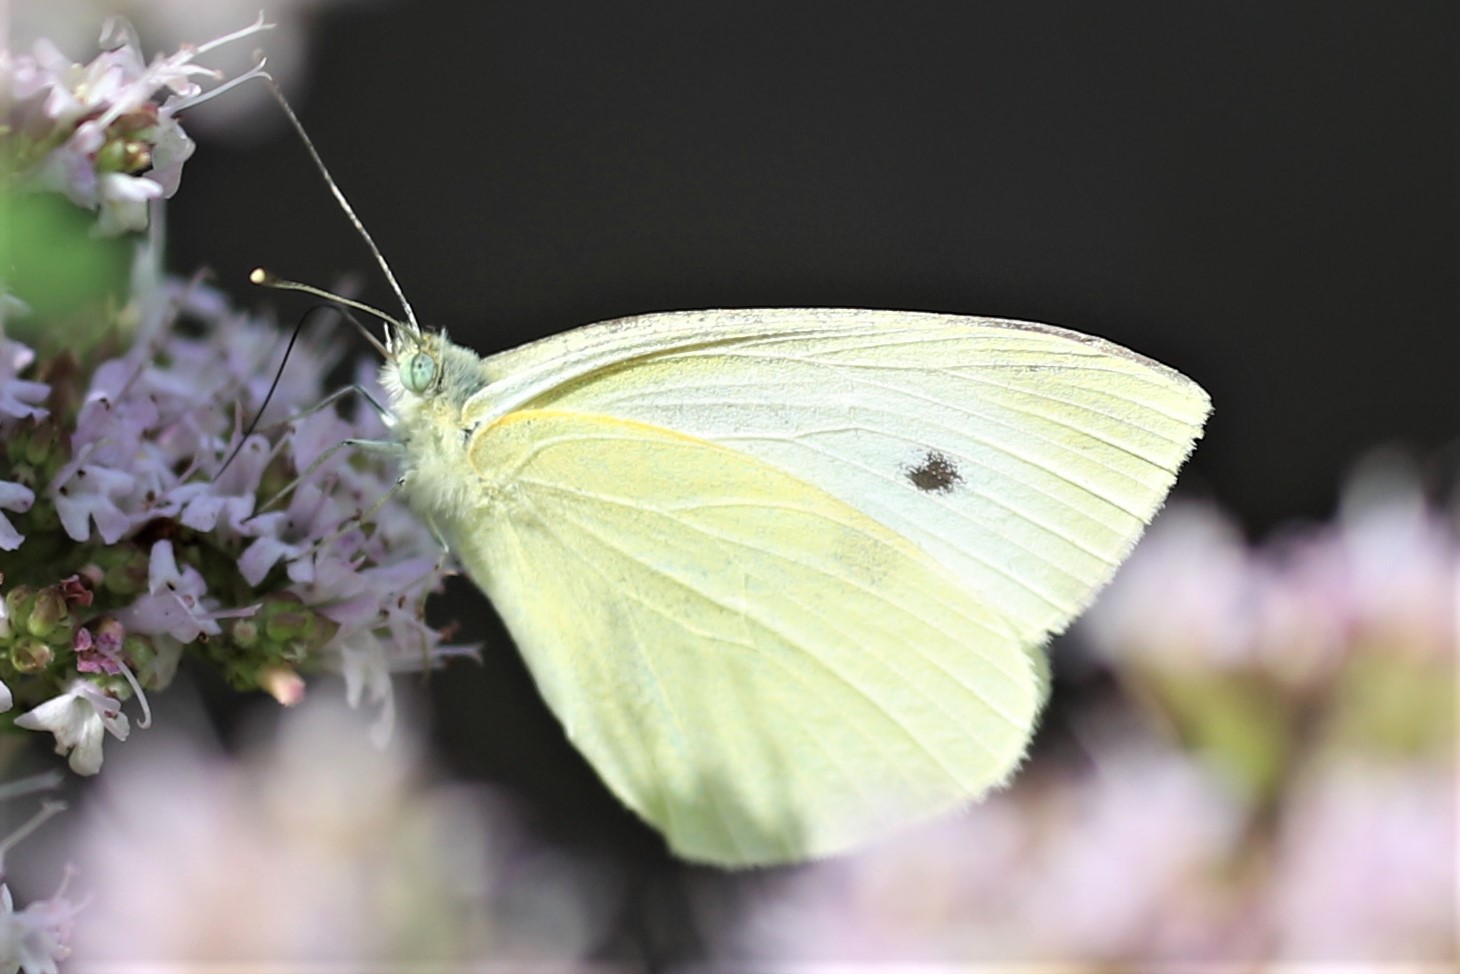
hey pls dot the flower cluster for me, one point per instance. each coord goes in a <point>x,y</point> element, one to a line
<point>129,537</point>
<point>155,500</point>
<point>139,520</point>
<point>96,132</point>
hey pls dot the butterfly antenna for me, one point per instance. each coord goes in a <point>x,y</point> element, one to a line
<point>268,397</point>
<point>265,278</point>
<point>413,326</point>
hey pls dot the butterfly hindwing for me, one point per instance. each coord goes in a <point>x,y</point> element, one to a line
<point>759,669</point>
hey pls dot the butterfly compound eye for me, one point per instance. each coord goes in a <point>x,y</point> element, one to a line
<point>418,372</point>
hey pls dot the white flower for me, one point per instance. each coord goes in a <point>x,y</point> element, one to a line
<point>84,492</point>
<point>122,203</point>
<point>35,938</point>
<point>78,718</point>
<point>18,498</point>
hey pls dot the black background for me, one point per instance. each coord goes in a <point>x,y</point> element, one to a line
<point>1260,194</point>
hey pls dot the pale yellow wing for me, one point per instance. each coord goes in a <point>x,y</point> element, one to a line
<point>756,667</point>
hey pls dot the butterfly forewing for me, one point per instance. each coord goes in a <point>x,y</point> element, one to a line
<point>1027,459</point>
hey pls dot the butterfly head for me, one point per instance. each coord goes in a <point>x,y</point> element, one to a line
<point>429,379</point>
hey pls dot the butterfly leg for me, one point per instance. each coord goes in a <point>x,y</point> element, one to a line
<point>379,446</point>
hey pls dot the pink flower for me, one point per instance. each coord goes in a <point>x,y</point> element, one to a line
<point>176,603</point>
<point>109,128</point>
<point>1365,872</point>
<point>313,849</point>
<point>100,653</point>
<point>1195,595</point>
<point>1093,868</point>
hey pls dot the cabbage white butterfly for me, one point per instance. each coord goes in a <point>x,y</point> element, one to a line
<point>785,574</point>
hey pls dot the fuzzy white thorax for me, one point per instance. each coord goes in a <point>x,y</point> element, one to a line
<point>431,428</point>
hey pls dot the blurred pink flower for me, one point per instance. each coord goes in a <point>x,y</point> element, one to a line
<point>32,940</point>
<point>1365,869</point>
<point>1097,869</point>
<point>1194,595</point>
<point>315,849</point>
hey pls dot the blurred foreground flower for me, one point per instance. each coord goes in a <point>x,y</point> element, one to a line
<point>314,850</point>
<point>34,939</point>
<point>1330,639</point>
<point>1277,786</point>
<point>1098,869</point>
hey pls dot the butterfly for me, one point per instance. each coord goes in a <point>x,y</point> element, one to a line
<point>785,575</point>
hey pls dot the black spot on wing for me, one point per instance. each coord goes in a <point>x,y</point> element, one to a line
<point>934,474</point>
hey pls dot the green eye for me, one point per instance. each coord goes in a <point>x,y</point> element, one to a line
<point>418,372</point>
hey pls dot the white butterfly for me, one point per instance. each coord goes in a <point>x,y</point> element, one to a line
<point>785,575</point>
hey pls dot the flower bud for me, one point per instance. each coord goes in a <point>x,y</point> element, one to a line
<point>124,568</point>
<point>282,683</point>
<point>18,603</point>
<point>284,619</point>
<point>30,656</point>
<point>244,633</point>
<point>42,447</point>
<point>74,590</point>
<point>140,653</point>
<point>110,635</point>
<point>48,612</point>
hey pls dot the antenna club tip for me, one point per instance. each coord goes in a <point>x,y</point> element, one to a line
<point>261,277</point>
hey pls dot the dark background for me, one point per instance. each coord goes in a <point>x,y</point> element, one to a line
<point>1263,195</point>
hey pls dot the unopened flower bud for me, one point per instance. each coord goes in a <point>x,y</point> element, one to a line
<point>282,683</point>
<point>31,656</point>
<point>245,633</point>
<point>18,603</point>
<point>125,570</point>
<point>47,613</point>
<point>110,635</point>
<point>284,619</point>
